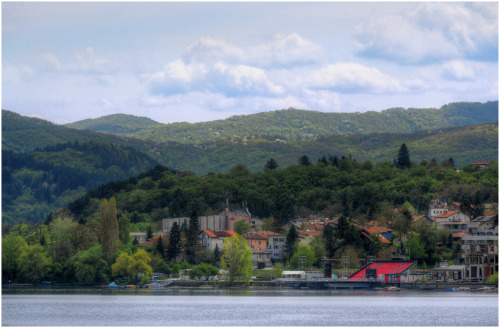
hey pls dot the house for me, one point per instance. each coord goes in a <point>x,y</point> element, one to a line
<point>255,240</point>
<point>277,244</point>
<point>261,258</point>
<point>153,242</point>
<point>480,165</point>
<point>488,222</point>
<point>456,221</point>
<point>437,207</point>
<point>371,233</point>
<point>455,206</point>
<point>212,239</point>
<point>139,236</point>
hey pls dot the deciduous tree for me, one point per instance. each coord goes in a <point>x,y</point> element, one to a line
<point>236,258</point>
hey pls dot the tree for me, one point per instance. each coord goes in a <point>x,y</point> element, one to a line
<point>403,160</point>
<point>89,266</point>
<point>174,246</point>
<point>124,229</point>
<point>120,267</point>
<point>277,271</point>
<point>109,229</point>
<point>149,233</point>
<point>236,258</point>
<point>139,265</point>
<point>303,253</point>
<point>203,270</point>
<point>271,164</point>
<point>217,255</point>
<point>11,246</point>
<point>241,227</point>
<point>291,242</point>
<point>269,224</point>
<point>159,246</point>
<point>34,263</point>
<point>304,160</point>
<point>331,243</point>
<point>192,237</point>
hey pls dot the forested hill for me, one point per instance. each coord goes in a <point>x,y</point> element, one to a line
<point>24,134</point>
<point>120,124</point>
<point>302,124</point>
<point>35,184</point>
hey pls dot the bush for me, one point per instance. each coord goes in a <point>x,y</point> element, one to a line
<point>493,279</point>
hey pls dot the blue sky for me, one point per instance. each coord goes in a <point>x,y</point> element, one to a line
<point>192,61</point>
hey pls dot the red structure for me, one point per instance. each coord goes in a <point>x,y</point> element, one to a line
<point>386,268</point>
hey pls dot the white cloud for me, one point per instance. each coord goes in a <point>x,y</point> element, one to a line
<point>432,31</point>
<point>286,50</point>
<point>353,77</point>
<point>209,50</point>
<point>16,74</point>
<point>456,69</point>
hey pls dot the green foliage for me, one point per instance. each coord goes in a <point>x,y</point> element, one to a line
<point>34,263</point>
<point>203,270</point>
<point>403,160</point>
<point>303,258</point>
<point>174,245</point>
<point>11,248</point>
<point>89,266</point>
<point>236,258</point>
<point>241,227</point>
<point>493,279</point>
<point>277,271</point>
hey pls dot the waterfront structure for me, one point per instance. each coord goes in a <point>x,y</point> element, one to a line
<point>384,271</point>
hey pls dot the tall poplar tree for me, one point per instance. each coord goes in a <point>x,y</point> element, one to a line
<point>109,229</point>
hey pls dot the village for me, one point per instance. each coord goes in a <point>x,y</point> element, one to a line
<point>474,239</point>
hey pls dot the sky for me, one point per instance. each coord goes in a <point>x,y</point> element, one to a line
<point>203,61</point>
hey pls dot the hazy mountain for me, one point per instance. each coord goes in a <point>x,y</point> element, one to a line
<point>120,124</point>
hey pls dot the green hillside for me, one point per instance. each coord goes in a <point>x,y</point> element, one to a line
<point>301,124</point>
<point>35,184</point>
<point>120,124</point>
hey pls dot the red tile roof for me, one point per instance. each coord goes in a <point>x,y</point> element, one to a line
<point>153,241</point>
<point>447,214</point>
<point>370,232</point>
<point>268,233</point>
<point>313,233</point>
<point>459,234</point>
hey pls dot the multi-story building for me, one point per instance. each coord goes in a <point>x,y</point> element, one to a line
<point>480,254</point>
<point>221,222</point>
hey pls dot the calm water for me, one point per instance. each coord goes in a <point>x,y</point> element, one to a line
<point>171,307</point>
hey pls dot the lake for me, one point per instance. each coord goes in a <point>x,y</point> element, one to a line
<point>246,307</point>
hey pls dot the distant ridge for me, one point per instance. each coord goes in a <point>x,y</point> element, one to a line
<point>303,124</point>
<point>120,124</point>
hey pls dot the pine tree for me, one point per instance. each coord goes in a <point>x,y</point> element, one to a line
<point>159,247</point>
<point>304,160</point>
<point>109,229</point>
<point>271,164</point>
<point>403,160</point>
<point>173,248</point>
<point>291,238</point>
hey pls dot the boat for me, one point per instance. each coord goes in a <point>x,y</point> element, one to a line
<point>112,286</point>
<point>130,286</point>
